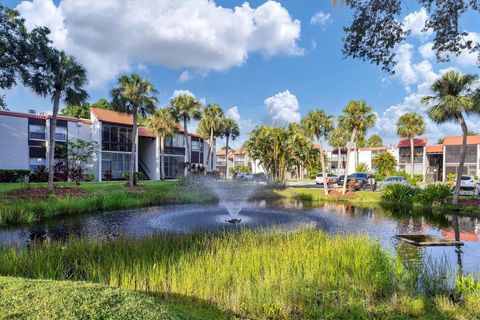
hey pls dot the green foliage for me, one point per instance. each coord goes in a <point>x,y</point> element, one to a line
<point>361,167</point>
<point>79,151</point>
<point>239,169</point>
<point>451,178</point>
<point>136,177</point>
<point>13,175</point>
<point>412,181</point>
<point>3,103</point>
<point>375,141</point>
<point>467,287</point>
<point>397,193</point>
<point>39,174</point>
<point>410,125</point>
<point>82,110</point>
<point>89,177</point>
<point>434,194</point>
<point>385,163</point>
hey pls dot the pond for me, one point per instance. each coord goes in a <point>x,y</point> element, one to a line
<point>285,214</point>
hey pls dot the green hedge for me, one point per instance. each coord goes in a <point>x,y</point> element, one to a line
<point>13,175</point>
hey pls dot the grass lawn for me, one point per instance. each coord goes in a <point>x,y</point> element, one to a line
<point>100,197</point>
<point>251,274</point>
<point>316,194</point>
<point>22,298</point>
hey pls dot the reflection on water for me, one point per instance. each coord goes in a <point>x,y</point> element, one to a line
<point>333,218</point>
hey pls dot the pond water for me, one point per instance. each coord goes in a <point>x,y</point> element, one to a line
<point>286,215</point>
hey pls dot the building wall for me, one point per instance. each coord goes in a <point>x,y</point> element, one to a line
<point>14,143</point>
<point>96,127</point>
<point>147,154</point>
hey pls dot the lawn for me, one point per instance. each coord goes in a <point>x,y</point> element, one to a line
<point>251,274</point>
<point>22,298</point>
<point>100,197</point>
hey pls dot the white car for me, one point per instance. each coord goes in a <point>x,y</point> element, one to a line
<point>467,186</point>
<point>393,180</point>
<point>331,179</point>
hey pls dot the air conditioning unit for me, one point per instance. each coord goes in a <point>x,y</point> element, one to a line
<point>32,111</point>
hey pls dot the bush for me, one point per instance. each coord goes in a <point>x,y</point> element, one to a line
<point>412,181</point>
<point>13,175</point>
<point>40,174</point>
<point>136,176</point>
<point>60,171</point>
<point>88,177</point>
<point>435,194</point>
<point>397,193</point>
<point>361,167</point>
<point>76,174</point>
<point>451,179</point>
<point>108,175</point>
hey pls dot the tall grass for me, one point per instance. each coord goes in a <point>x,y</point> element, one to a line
<point>251,273</point>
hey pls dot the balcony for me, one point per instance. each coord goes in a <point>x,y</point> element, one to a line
<point>175,151</point>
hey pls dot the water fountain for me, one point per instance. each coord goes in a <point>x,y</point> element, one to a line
<point>233,197</point>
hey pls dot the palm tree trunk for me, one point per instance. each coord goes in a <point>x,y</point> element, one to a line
<point>134,148</point>
<point>53,128</point>
<point>226,156</point>
<point>210,151</point>
<point>187,146</point>
<point>456,193</point>
<point>322,162</point>
<point>162,158</point>
<point>352,141</point>
<point>412,158</point>
<point>339,162</point>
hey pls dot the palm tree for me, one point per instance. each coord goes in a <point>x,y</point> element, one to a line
<point>230,130</point>
<point>318,124</point>
<point>63,79</point>
<point>163,125</point>
<point>299,147</point>
<point>374,141</point>
<point>209,125</point>
<point>410,125</point>
<point>357,117</point>
<point>185,108</point>
<point>135,96</point>
<point>338,139</point>
<point>451,100</point>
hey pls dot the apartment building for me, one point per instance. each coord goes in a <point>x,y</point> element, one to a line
<point>25,137</point>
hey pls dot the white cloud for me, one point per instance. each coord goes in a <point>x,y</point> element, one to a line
<point>410,73</point>
<point>320,19</point>
<point>108,36</point>
<point>467,58</point>
<point>426,51</point>
<point>282,108</point>
<point>415,22</point>
<point>233,113</point>
<point>177,93</point>
<point>185,76</point>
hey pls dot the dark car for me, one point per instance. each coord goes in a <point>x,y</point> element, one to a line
<point>362,181</point>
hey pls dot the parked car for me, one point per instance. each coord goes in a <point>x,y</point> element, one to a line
<point>331,179</point>
<point>467,185</point>
<point>363,181</point>
<point>260,177</point>
<point>395,179</point>
<point>244,177</point>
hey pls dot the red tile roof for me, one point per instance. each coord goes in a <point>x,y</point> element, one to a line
<point>41,117</point>
<point>144,132</point>
<point>417,142</point>
<point>457,140</point>
<point>435,149</point>
<point>112,116</point>
<point>240,152</point>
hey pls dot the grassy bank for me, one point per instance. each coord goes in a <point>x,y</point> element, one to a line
<point>67,300</point>
<point>252,274</point>
<point>103,196</point>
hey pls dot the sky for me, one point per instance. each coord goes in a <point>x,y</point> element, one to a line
<point>262,62</point>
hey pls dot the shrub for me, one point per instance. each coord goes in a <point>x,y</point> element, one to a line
<point>412,181</point>
<point>435,194</point>
<point>384,163</point>
<point>108,175</point>
<point>60,171</point>
<point>361,167</point>
<point>239,169</point>
<point>136,176</point>
<point>76,174</point>
<point>379,177</point>
<point>466,287</point>
<point>13,175</point>
<point>40,174</point>
<point>88,177</point>
<point>397,193</point>
<point>451,178</point>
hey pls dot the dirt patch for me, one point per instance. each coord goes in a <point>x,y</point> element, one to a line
<point>338,194</point>
<point>469,202</point>
<point>135,190</point>
<point>42,193</point>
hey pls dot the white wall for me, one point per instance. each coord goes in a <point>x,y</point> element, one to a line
<point>96,127</point>
<point>148,154</point>
<point>14,143</point>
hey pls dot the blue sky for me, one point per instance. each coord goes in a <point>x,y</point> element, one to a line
<point>274,74</point>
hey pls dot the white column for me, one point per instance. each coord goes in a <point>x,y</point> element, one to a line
<point>443,163</point>
<point>157,159</point>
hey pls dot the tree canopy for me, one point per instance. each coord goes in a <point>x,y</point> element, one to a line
<point>374,141</point>
<point>377,28</point>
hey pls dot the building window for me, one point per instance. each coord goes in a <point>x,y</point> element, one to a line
<point>36,132</point>
<point>36,162</point>
<point>417,155</point>
<point>61,134</point>
<point>176,141</point>
<point>452,154</point>
<point>116,138</point>
<point>117,163</point>
<point>195,145</point>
